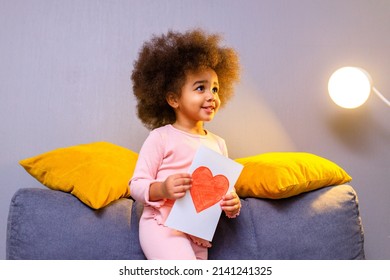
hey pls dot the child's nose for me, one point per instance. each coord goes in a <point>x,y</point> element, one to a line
<point>210,96</point>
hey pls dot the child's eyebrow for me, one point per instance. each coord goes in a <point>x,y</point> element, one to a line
<point>200,82</point>
<point>204,82</point>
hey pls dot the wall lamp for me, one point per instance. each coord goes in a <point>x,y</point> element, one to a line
<point>350,87</point>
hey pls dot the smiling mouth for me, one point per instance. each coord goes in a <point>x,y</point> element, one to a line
<point>209,109</point>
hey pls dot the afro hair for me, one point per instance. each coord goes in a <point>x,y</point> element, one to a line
<point>162,66</point>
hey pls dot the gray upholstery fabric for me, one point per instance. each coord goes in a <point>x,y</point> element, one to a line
<point>322,224</point>
<point>47,224</point>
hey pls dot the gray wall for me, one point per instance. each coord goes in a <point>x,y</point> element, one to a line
<point>64,80</point>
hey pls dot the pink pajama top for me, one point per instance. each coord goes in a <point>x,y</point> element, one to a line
<point>167,151</point>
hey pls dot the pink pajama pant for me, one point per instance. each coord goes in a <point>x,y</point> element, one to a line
<point>159,242</point>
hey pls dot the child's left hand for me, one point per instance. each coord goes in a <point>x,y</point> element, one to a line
<point>231,204</point>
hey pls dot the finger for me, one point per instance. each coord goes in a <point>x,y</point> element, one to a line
<point>183,175</point>
<point>230,201</point>
<point>230,211</point>
<point>231,208</point>
<point>179,195</point>
<point>233,194</point>
<point>185,181</point>
<point>230,195</point>
<point>181,179</point>
<point>181,189</point>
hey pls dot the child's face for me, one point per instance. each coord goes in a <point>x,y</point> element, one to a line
<point>199,100</point>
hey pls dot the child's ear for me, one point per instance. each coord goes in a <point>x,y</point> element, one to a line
<point>172,100</point>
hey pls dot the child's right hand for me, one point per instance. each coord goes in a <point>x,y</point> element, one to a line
<point>175,186</point>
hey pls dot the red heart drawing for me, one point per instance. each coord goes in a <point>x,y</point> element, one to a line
<point>207,190</point>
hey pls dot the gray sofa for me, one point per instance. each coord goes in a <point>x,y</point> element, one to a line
<point>321,224</point>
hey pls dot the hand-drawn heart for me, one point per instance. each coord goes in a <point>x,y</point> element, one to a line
<point>207,190</point>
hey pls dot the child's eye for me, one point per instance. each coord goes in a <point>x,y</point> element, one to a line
<point>215,90</point>
<point>200,88</point>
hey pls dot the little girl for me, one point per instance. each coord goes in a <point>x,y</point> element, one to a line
<point>180,80</point>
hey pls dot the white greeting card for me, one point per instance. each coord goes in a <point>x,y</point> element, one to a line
<point>198,212</point>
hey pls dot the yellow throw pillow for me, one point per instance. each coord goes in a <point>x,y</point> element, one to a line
<point>96,173</point>
<point>285,174</point>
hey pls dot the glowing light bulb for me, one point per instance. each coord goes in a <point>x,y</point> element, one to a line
<point>349,87</point>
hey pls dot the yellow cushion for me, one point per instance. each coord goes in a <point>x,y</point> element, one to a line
<point>96,173</point>
<point>284,174</point>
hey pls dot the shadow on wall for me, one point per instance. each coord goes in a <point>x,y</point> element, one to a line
<point>357,128</point>
<point>249,126</point>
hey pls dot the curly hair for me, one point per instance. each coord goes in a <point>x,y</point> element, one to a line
<point>162,66</point>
